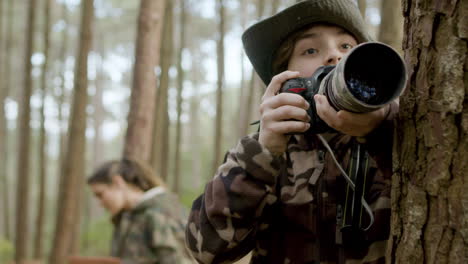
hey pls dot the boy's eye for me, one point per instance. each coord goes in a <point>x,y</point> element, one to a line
<point>310,51</point>
<point>346,46</point>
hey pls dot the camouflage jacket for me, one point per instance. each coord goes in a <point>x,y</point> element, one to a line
<point>284,209</point>
<point>152,232</point>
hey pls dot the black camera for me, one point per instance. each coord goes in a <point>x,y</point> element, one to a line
<point>370,76</point>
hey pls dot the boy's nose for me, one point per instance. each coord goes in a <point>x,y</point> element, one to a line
<point>333,58</point>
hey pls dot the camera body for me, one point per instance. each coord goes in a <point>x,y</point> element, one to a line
<point>370,76</point>
<point>307,88</point>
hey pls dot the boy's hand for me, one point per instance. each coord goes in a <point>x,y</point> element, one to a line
<point>281,114</point>
<point>347,122</point>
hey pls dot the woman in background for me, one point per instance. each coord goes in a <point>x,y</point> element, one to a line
<point>149,221</point>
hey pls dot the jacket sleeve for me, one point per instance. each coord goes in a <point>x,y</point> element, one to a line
<point>224,219</point>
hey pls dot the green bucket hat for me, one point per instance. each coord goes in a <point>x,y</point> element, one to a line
<point>262,40</point>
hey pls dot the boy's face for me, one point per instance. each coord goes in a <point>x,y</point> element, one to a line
<point>320,45</point>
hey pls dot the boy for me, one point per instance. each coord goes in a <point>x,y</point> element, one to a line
<point>282,196</point>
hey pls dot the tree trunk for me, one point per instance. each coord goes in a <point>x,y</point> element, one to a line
<point>161,123</point>
<point>138,140</point>
<point>247,108</point>
<point>391,25</point>
<point>4,131</point>
<point>180,87</point>
<point>61,100</point>
<point>242,122</point>
<point>195,138</point>
<point>429,197</point>
<point>73,166</point>
<point>362,4</point>
<point>274,7</point>
<point>22,190</point>
<point>38,241</point>
<point>98,106</point>
<point>219,92</point>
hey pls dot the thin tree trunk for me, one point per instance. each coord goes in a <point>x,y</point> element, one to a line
<point>274,7</point>
<point>22,190</point>
<point>3,135</point>
<point>41,205</point>
<point>195,174</point>
<point>61,100</point>
<point>242,119</point>
<point>6,88</point>
<point>391,25</point>
<point>98,106</point>
<point>138,140</point>
<point>429,197</point>
<point>161,123</point>
<point>219,92</point>
<point>249,101</point>
<point>73,166</point>
<point>362,4</point>
<point>180,86</point>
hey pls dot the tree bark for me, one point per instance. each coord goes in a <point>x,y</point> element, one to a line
<point>429,197</point>
<point>180,88</point>
<point>22,190</point>
<point>219,91</point>
<point>73,166</point>
<point>391,25</point>
<point>138,140</point>
<point>161,116</point>
<point>41,205</point>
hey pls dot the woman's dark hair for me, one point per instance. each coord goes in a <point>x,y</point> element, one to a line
<point>132,171</point>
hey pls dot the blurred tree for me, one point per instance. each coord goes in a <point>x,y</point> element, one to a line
<point>22,190</point>
<point>98,107</point>
<point>180,88</point>
<point>73,163</point>
<point>274,7</point>
<point>161,117</point>
<point>429,197</point>
<point>220,84</point>
<point>194,136</point>
<point>242,118</point>
<point>362,4</point>
<point>138,139</point>
<point>39,239</point>
<point>391,25</point>
<point>6,90</point>
<point>61,99</point>
<point>3,122</point>
<point>246,109</point>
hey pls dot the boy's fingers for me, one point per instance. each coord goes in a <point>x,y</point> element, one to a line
<point>287,99</point>
<point>287,112</point>
<point>325,111</point>
<point>276,82</point>
<point>289,127</point>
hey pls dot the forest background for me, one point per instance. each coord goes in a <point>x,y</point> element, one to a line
<point>74,110</point>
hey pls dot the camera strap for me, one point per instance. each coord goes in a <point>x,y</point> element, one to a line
<point>361,158</point>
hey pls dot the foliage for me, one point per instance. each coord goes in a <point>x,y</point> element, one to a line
<point>6,250</point>
<point>97,239</point>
